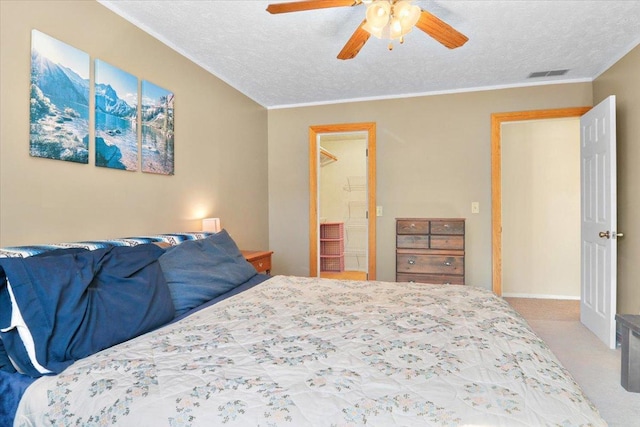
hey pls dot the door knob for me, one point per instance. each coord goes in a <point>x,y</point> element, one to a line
<point>606,234</point>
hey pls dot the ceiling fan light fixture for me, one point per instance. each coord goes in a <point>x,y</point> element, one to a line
<point>378,13</point>
<point>395,28</point>
<point>374,31</point>
<point>391,20</point>
<point>407,13</point>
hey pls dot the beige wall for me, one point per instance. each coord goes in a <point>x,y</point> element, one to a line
<point>433,159</point>
<point>220,154</point>
<point>622,80</point>
<point>541,208</point>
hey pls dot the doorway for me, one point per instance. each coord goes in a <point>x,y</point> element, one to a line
<point>541,209</point>
<point>342,228</point>
<point>497,120</point>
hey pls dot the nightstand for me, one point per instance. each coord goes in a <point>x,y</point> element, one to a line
<point>261,260</point>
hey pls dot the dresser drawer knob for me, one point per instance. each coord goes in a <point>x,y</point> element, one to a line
<point>446,226</point>
<point>412,226</point>
<point>412,261</point>
<point>447,263</point>
<point>260,264</point>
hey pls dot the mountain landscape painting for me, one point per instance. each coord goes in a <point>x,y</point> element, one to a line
<point>59,104</point>
<point>157,129</point>
<point>116,115</point>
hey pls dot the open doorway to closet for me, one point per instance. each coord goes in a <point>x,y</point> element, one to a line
<point>342,201</point>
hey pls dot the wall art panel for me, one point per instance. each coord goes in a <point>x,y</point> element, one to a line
<point>116,116</point>
<point>157,129</point>
<point>59,100</point>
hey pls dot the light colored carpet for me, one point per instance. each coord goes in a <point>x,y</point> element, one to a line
<point>546,309</point>
<point>594,366</point>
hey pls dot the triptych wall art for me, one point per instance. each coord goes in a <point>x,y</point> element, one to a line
<point>60,112</point>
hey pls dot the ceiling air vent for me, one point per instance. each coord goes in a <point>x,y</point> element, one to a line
<point>550,73</point>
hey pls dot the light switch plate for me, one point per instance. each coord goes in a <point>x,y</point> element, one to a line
<point>378,210</point>
<point>475,207</point>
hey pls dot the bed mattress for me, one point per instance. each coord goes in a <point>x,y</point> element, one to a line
<point>306,352</point>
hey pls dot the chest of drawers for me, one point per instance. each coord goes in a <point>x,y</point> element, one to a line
<point>430,250</point>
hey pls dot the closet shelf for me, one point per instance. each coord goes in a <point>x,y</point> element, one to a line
<point>327,157</point>
<point>356,183</point>
<point>354,224</point>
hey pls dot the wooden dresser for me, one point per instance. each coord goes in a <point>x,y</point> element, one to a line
<point>430,250</point>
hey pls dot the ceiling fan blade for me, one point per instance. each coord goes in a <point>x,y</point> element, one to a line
<point>355,43</point>
<point>298,6</point>
<point>441,31</point>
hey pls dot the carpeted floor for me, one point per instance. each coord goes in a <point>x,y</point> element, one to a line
<point>594,366</point>
<point>546,309</point>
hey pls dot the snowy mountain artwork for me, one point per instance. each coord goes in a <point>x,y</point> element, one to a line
<point>59,104</point>
<point>157,129</point>
<point>116,115</point>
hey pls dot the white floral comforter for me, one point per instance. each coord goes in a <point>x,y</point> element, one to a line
<point>314,352</point>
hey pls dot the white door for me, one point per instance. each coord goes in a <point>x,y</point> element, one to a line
<point>598,211</point>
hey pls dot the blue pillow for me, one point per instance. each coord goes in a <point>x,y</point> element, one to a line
<point>5,363</point>
<point>58,309</point>
<point>60,252</point>
<point>199,270</point>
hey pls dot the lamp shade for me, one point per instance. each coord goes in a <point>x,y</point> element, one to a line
<point>211,225</point>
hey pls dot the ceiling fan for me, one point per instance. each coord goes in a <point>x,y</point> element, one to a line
<point>389,19</point>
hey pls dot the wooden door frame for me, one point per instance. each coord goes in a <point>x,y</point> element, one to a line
<point>497,119</point>
<point>314,131</point>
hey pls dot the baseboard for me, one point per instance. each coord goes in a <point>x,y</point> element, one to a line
<point>540,296</point>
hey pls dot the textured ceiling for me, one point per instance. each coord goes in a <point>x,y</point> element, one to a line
<point>290,59</point>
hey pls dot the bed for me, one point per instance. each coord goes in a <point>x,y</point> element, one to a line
<point>300,351</point>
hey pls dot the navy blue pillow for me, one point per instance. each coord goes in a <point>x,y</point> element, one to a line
<point>5,363</point>
<point>60,252</point>
<point>75,304</point>
<point>199,270</point>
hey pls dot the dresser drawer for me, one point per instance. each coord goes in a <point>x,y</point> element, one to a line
<point>412,226</point>
<point>436,279</point>
<point>433,264</point>
<point>447,227</point>
<point>262,264</point>
<point>261,260</point>
<point>446,242</point>
<point>412,241</point>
